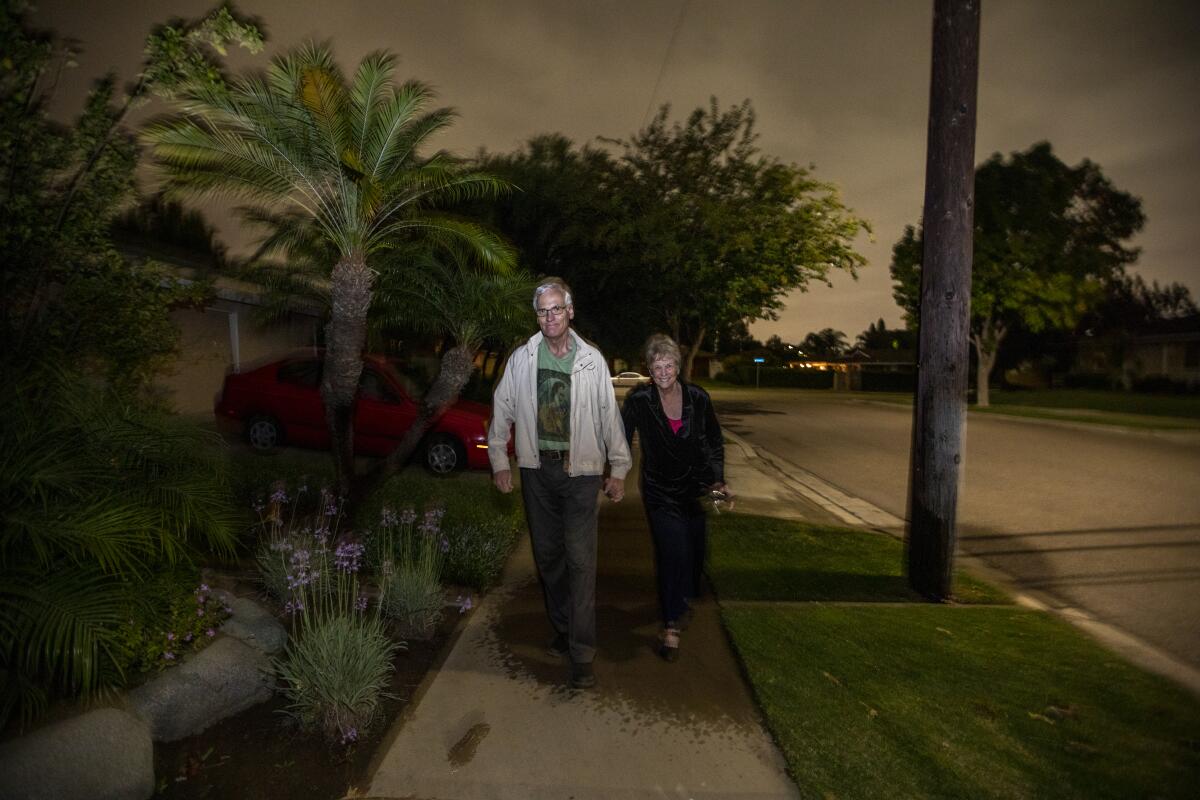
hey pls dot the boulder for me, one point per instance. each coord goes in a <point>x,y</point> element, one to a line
<point>104,754</point>
<point>224,679</point>
<point>252,624</point>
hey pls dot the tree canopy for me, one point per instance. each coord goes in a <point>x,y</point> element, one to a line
<point>1047,237</point>
<point>690,229</point>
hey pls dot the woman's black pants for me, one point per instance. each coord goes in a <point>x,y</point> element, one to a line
<point>680,538</point>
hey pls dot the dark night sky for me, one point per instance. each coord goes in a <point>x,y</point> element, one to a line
<point>842,85</point>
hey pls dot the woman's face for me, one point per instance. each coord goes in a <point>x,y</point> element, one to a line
<point>664,371</point>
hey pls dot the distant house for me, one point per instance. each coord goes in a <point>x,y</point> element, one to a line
<point>1166,351</point>
<point>867,369</point>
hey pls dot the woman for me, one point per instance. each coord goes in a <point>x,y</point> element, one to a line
<point>683,459</point>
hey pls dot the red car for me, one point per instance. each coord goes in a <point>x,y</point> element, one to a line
<point>281,402</point>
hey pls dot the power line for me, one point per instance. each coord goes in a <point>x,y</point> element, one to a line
<point>666,58</point>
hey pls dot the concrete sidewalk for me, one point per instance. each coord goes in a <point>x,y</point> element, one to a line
<point>497,719</point>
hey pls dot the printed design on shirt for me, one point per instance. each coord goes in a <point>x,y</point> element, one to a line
<point>554,406</point>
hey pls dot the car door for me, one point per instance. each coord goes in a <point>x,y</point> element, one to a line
<point>382,414</point>
<point>296,401</point>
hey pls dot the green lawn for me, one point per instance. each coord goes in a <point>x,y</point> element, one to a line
<point>762,558</point>
<point>905,699</point>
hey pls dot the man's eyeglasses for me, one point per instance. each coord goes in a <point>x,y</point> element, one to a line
<point>553,311</point>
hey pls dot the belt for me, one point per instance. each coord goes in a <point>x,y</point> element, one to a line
<point>553,455</point>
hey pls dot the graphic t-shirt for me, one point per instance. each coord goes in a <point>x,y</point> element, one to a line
<point>554,399</point>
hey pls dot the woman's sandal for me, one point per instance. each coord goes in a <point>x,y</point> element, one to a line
<point>668,647</point>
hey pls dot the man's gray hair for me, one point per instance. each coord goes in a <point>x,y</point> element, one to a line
<point>659,345</point>
<point>552,285</point>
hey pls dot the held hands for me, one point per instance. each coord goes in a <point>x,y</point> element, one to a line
<point>721,493</point>
<point>503,480</point>
<point>615,489</point>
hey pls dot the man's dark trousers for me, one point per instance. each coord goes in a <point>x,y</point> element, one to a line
<point>561,512</point>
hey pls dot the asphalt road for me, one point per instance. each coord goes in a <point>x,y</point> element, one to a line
<point>1096,518</point>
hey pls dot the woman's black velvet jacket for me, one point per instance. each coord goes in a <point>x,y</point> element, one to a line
<point>676,468</point>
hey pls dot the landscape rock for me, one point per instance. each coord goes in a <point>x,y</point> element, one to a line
<point>252,624</point>
<point>224,679</point>
<point>104,754</point>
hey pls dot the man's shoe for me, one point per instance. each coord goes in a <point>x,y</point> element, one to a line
<point>582,676</point>
<point>559,646</point>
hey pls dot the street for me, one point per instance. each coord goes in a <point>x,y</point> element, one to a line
<point>1099,519</point>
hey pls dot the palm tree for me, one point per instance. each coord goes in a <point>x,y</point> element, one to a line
<point>341,157</point>
<point>445,296</point>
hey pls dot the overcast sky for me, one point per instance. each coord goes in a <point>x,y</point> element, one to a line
<point>841,85</point>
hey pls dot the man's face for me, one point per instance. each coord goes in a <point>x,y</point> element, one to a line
<point>553,324</point>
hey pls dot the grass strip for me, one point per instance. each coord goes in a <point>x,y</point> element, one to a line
<point>954,701</point>
<point>763,558</point>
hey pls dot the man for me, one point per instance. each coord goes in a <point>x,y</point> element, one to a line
<point>557,391</point>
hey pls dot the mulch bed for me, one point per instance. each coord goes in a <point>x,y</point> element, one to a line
<point>261,755</point>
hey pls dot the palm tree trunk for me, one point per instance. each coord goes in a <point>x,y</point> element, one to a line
<point>350,296</point>
<point>456,367</point>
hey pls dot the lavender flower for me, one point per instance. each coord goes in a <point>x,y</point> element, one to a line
<point>188,637</point>
<point>408,516</point>
<point>464,603</point>
<point>210,633</point>
<point>432,522</point>
<point>279,495</point>
<point>169,656</point>
<point>170,636</point>
<point>388,518</point>
<point>445,545</point>
<point>350,735</point>
<point>289,608</point>
<point>361,603</point>
<point>348,556</point>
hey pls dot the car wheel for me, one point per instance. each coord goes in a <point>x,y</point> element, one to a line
<point>264,433</point>
<point>444,455</point>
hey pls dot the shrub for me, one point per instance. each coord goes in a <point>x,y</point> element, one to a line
<point>410,572</point>
<point>335,673</point>
<point>169,615</point>
<point>477,551</point>
<point>96,494</point>
<point>335,668</point>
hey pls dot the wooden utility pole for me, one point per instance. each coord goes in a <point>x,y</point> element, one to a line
<point>940,409</point>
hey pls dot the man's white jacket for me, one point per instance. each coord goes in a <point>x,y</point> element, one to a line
<point>597,433</point>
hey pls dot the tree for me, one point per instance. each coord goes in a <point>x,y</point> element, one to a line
<point>343,159</point>
<point>720,233</point>
<point>566,218</point>
<point>1047,238</point>
<point>65,291</point>
<point>877,336</point>
<point>826,343</point>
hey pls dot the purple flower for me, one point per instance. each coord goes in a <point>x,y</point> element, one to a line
<point>350,735</point>
<point>464,603</point>
<point>210,633</point>
<point>445,545</point>
<point>279,495</point>
<point>348,556</point>
<point>227,609</point>
<point>388,518</point>
<point>188,637</point>
<point>170,636</point>
<point>169,656</point>
<point>199,612</point>
<point>204,587</point>
<point>361,603</point>
<point>408,516</point>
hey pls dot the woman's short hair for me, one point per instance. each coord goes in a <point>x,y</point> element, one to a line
<point>552,284</point>
<point>659,345</point>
